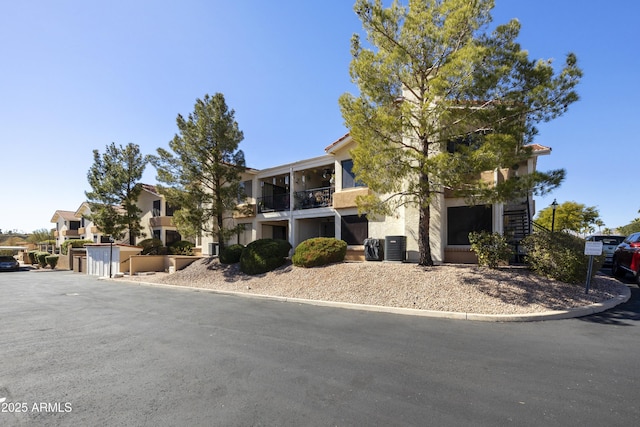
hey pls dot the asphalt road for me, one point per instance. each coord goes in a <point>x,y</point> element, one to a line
<point>75,350</point>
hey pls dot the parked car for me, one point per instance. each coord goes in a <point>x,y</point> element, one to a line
<point>9,263</point>
<point>609,245</point>
<point>626,257</point>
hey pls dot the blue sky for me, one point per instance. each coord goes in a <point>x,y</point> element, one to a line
<point>78,75</point>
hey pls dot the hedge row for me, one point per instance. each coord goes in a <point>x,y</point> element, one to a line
<point>265,255</point>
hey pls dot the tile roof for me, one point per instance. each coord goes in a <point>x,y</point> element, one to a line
<point>150,188</point>
<point>66,215</point>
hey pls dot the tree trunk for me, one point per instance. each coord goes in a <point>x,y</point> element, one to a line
<point>424,245</point>
<point>220,233</point>
<point>424,241</point>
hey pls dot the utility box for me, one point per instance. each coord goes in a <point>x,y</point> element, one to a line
<point>373,249</point>
<point>395,248</point>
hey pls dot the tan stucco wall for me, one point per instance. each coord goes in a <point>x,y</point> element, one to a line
<point>142,263</point>
<point>347,198</point>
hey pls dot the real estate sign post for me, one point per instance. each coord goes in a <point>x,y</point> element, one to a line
<point>592,249</point>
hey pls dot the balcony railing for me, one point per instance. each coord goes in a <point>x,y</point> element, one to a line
<point>314,198</point>
<point>306,199</point>
<point>275,203</point>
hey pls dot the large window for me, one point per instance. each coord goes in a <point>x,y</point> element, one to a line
<point>246,191</point>
<point>354,229</point>
<point>172,237</point>
<point>156,208</point>
<point>462,220</point>
<point>245,233</point>
<point>471,141</point>
<point>169,210</point>
<point>348,177</point>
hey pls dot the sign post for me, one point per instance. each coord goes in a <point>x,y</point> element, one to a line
<point>592,249</point>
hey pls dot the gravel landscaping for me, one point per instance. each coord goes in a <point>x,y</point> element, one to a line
<point>450,287</point>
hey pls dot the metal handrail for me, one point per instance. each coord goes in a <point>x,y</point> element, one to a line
<point>539,227</point>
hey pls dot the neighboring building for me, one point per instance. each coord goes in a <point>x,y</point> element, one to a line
<point>316,198</point>
<point>67,226</point>
<point>88,230</point>
<point>156,219</point>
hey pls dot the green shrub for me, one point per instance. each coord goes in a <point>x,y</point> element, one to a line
<point>319,251</point>
<point>231,254</point>
<point>52,260</point>
<point>152,247</point>
<point>32,257</point>
<point>181,247</point>
<point>64,248</point>
<point>41,258</point>
<point>559,256</point>
<point>490,248</point>
<point>263,255</point>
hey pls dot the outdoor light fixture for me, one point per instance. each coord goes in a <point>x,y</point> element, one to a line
<point>554,205</point>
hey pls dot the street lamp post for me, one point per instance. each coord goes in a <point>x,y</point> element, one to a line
<point>554,205</point>
<point>110,254</point>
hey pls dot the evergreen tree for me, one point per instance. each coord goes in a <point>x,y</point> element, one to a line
<point>441,100</point>
<point>203,169</point>
<point>114,179</point>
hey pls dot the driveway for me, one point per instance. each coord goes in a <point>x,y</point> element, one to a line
<point>81,351</point>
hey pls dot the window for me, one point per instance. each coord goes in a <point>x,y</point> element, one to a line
<point>462,220</point>
<point>156,208</point>
<point>246,191</point>
<point>473,141</point>
<point>354,229</point>
<point>74,225</point>
<point>172,237</point>
<point>348,177</point>
<point>169,209</point>
<point>245,234</point>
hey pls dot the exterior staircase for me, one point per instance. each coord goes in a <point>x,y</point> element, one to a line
<point>517,226</point>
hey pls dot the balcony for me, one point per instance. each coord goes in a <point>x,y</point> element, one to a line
<point>314,198</point>
<point>274,203</point>
<point>247,210</point>
<point>161,221</point>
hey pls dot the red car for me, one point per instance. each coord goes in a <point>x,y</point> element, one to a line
<point>626,258</point>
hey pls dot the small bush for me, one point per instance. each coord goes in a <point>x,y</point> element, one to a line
<point>559,256</point>
<point>319,251</point>
<point>64,248</point>
<point>231,254</point>
<point>41,258</point>
<point>490,248</point>
<point>263,255</point>
<point>181,247</point>
<point>52,260</point>
<point>152,247</point>
<point>32,257</point>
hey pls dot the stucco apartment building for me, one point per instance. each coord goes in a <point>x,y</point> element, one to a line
<point>317,198</point>
<point>156,219</point>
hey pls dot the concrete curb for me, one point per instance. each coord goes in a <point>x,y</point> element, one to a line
<point>526,317</point>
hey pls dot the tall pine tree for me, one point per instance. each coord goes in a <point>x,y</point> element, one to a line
<point>114,179</point>
<point>441,100</point>
<point>203,169</point>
